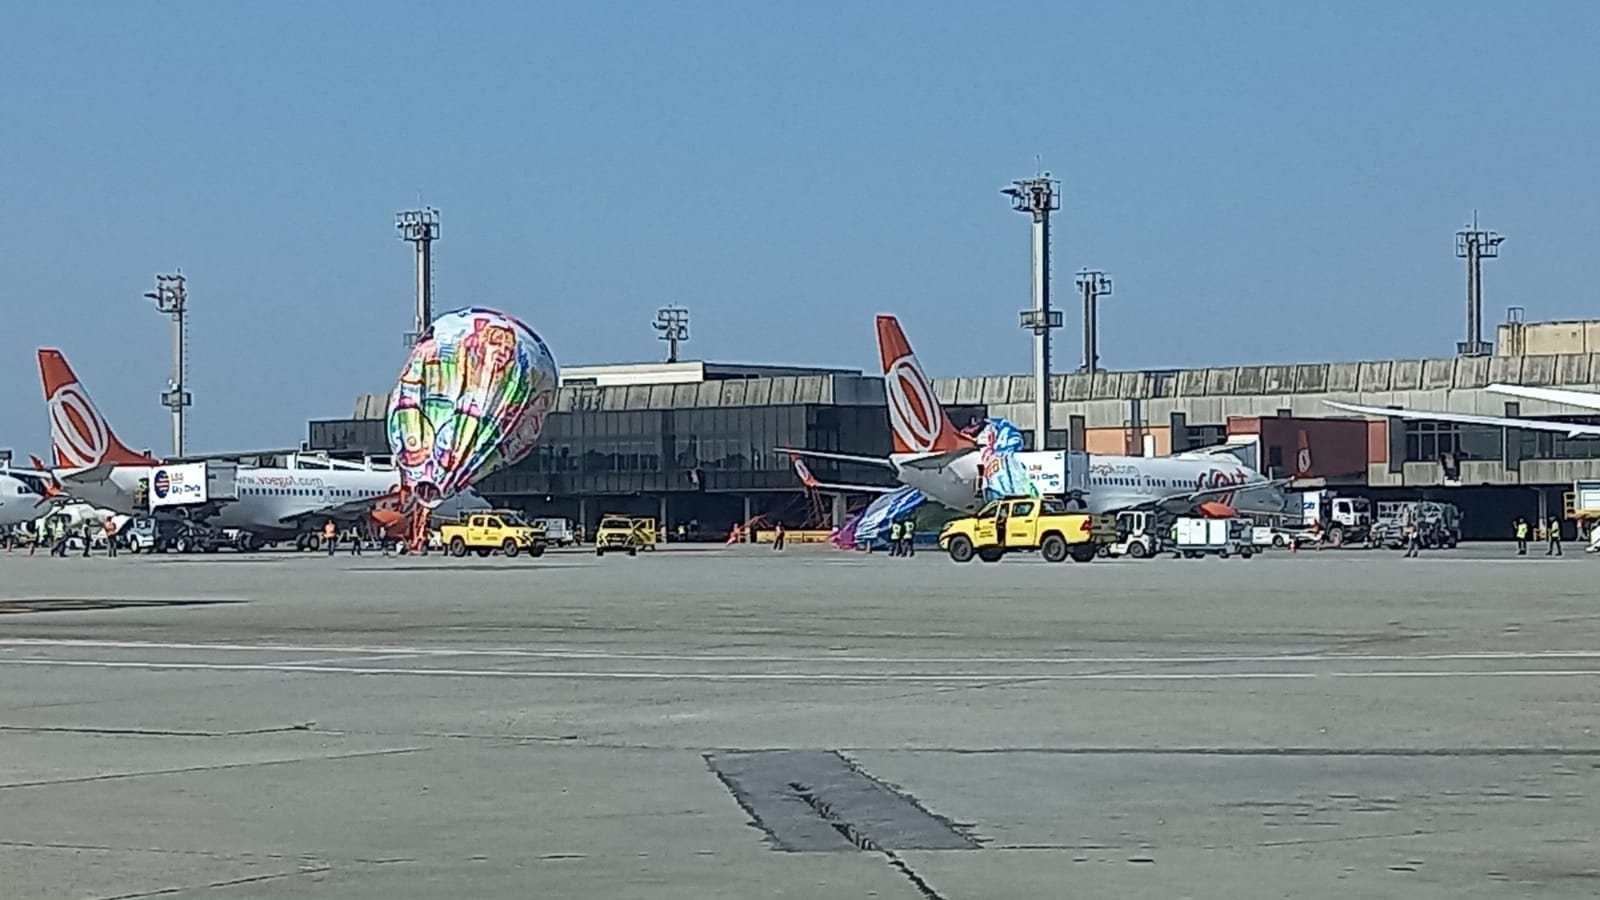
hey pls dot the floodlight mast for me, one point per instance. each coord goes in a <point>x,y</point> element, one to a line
<point>172,298</point>
<point>1093,285</point>
<point>673,323</point>
<point>1039,197</point>
<point>420,227</point>
<point>1475,245</point>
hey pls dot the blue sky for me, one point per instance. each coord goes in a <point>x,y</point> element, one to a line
<point>1264,181</point>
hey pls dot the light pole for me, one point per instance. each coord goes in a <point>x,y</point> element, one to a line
<point>1475,246</point>
<point>1093,286</point>
<point>673,323</point>
<point>421,228</point>
<point>1039,197</point>
<point>172,298</point>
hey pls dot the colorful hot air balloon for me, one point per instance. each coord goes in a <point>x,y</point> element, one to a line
<point>471,400</point>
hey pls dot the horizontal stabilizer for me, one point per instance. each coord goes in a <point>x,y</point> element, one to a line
<point>935,460</point>
<point>93,475</point>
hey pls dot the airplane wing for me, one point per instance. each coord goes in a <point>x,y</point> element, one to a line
<point>1580,399</point>
<point>845,457</point>
<point>1182,503</point>
<point>1570,429</point>
<point>350,509</point>
<point>810,480</point>
<point>1233,489</point>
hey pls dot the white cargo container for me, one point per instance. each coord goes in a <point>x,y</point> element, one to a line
<point>1224,537</point>
<point>192,484</point>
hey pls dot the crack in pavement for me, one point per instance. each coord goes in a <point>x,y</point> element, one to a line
<point>208,854</point>
<point>152,732</point>
<point>86,779</point>
<point>234,882</point>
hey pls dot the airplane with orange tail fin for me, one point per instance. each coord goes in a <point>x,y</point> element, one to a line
<point>935,458</point>
<point>93,465</point>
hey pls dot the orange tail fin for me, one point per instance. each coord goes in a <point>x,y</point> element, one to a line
<point>918,421</point>
<point>81,436</point>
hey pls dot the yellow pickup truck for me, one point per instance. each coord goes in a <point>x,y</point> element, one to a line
<point>626,533</point>
<point>487,532</point>
<point>1028,523</point>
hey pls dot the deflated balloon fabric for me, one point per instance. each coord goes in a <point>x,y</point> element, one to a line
<point>1003,474</point>
<point>471,400</point>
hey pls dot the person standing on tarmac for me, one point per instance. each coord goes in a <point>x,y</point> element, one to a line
<point>1522,536</point>
<point>777,536</point>
<point>894,538</point>
<point>908,533</point>
<point>1413,541</point>
<point>1555,538</point>
<point>330,535</point>
<point>111,538</point>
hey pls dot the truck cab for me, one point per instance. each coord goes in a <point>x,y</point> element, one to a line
<point>1027,523</point>
<point>1341,520</point>
<point>1138,534</point>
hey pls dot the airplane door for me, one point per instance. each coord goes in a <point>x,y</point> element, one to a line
<point>1077,480</point>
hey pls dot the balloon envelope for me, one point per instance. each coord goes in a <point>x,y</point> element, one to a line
<point>471,400</point>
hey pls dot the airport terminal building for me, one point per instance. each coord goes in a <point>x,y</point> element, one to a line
<point>694,441</point>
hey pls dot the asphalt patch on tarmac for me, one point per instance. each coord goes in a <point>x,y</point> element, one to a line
<point>79,604</point>
<point>815,801</point>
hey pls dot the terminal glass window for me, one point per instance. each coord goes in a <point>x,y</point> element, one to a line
<point>1429,441</point>
<point>1555,445</point>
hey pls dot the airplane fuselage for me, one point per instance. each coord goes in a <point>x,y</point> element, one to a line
<point>269,498</point>
<point>1112,484</point>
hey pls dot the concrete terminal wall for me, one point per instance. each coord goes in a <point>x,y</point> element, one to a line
<point>1208,395</point>
<point>1204,396</point>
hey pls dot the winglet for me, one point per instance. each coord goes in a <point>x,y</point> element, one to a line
<point>81,435</point>
<point>803,470</point>
<point>917,420</point>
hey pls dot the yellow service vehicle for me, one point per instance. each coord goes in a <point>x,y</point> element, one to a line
<point>1028,523</point>
<point>629,533</point>
<point>491,531</point>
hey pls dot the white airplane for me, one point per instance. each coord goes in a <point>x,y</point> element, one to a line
<point>933,457</point>
<point>1581,399</point>
<point>96,467</point>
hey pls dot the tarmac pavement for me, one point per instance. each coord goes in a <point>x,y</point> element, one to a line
<point>748,723</point>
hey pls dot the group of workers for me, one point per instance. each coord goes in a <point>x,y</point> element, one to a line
<point>58,537</point>
<point>1552,536</point>
<point>902,538</point>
